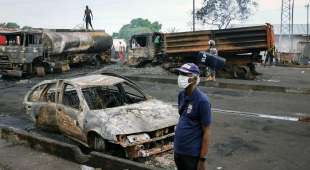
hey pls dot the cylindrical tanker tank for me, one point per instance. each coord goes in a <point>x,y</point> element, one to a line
<point>76,42</point>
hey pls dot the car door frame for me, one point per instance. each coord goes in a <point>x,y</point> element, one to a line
<point>71,120</point>
<point>35,108</point>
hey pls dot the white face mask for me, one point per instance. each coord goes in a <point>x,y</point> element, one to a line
<point>183,81</point>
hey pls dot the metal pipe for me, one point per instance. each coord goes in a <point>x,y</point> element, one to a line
<point>194,15</point>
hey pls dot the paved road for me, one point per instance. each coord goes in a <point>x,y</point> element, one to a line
<point>238,142</point>
<point>284,76</point>
<point>18,157</point>
<point>247,101</point>
<point>242,143</point>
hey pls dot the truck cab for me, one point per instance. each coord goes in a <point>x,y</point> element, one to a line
<point>146,48</point>
<point>18,49</point>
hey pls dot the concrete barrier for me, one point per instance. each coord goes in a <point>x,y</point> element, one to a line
<point>68,151</point>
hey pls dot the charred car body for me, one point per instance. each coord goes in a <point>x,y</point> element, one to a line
<point>104,112</point>
<point>240,47</point>
<point>42,51</point>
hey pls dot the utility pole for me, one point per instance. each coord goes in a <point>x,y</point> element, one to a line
<point>194,15</point>
<point>292,25</point>
<point>307,6</point>
<point>292,13</point>
<point>285,17</point>
<point>286,26</point>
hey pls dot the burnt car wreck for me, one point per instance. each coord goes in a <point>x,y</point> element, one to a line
<point>104,112</point>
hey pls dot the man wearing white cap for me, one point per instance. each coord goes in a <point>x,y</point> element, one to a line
<point>192,131</point>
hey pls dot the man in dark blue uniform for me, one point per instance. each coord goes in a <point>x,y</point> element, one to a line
<point>192,132</point>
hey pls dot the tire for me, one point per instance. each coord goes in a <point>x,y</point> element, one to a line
<point>95,61</point>
<point>97,143</point>
<point>48,69</point>
<point>241,72</point>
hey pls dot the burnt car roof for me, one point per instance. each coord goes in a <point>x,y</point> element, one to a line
<point>96,80</point>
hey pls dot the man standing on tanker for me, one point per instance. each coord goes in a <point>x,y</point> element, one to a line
<point>192,131</point>
<point>88,17</point>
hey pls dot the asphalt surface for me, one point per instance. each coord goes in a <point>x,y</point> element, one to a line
<point>284,76</point>
<point>19,157</point>
<point>240,142</point>
<point>237,142</point>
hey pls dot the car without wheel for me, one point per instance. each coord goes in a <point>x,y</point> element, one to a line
<point>105,112</point>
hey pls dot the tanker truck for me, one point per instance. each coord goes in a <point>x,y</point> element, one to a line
<point>41,51</point>
<point>240,47</point>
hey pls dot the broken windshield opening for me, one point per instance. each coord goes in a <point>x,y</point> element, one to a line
<point>139,42</point>
<point>11,39</point>
<point>102,97</point>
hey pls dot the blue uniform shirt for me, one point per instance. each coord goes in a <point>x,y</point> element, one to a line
<point>195,111</point>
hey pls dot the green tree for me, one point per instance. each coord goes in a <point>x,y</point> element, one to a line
<point>12,25</point>
<point>136,26</point>
<point>26,27</point>
<point>222,12</point>
<point>115,35</point>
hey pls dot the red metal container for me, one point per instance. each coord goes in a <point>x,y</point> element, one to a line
<point>2,40</point>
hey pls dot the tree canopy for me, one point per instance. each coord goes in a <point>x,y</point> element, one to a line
<point>12,25</point>
<point>9,25</point>
<point>26,27</point>
<point>138,25</point>
<point>222,12</point>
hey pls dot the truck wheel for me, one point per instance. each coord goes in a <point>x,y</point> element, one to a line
<point>241,72</point>
<point>40,71</point>
<point>95,61</point>
<point>48,68</point>
<point>97,143</point>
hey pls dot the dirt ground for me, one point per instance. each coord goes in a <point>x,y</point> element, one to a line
<point>237,142</point>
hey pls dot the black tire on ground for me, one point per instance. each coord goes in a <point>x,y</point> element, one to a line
<point>242,72</point>
<point>96,142</point>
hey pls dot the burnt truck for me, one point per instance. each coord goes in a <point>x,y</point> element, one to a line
<point>41,51</point>
<point>241,47</point>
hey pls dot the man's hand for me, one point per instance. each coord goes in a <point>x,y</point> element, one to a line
<point>202,165</point>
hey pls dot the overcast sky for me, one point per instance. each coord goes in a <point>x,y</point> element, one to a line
<point>111,15</point>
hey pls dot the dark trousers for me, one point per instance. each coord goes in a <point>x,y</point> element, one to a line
<point>269,59</point>
<point>88,22</point>
<point>184,162</point>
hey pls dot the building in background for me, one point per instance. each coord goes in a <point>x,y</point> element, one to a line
<point>291,43</point>
<point>293,47</point>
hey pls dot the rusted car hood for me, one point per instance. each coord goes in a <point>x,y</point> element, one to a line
<point>145,116</point>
